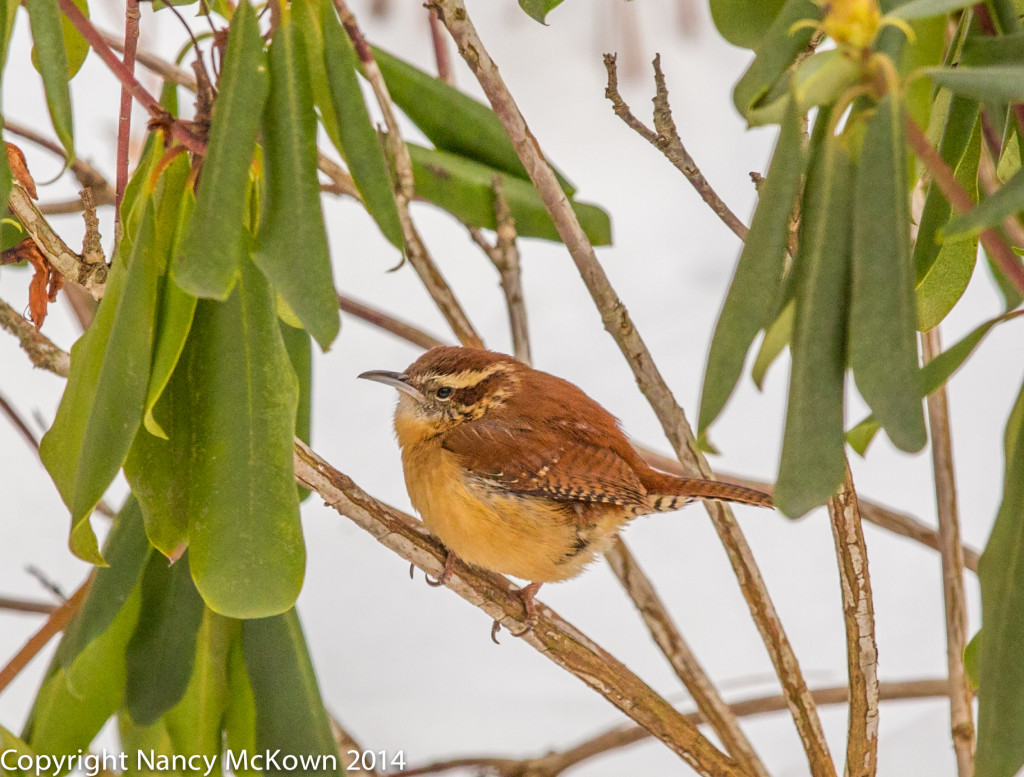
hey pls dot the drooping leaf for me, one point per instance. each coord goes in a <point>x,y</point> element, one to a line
<point>972,660</point>
<point>103,403</point>
<point>216,241</point>
<point>752,293</point>
<point>75,46</point>
<point>300,354</point>
<point>465,189</point>
<point>882,331</point>
<point>933,375</point>
<point>48,35</point>
<point>451,120</point>
<point>1005,201</point>
<point>240,716</point>
<point>996,83</point>
<point>743,22</point>
<point>358,141</point>
<point>775,53</point>
<point>162,650</point>
<point>126,551</point>
<point>291,245</point>
<point>775,339</point>
<point>290,712</point>
<point>813,464</point>
<point>539,9</point>
<point>993,49</point>
<point>1000,750</point>
<point>245,538</point>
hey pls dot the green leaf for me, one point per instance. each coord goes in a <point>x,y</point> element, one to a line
<point>75,46</point>
<point>300,353</point>
<point>240,716</point>
<point>1012,296</point>
<point>921,9</point>
<point>216,241</point>
<point>64,722</point>
<point>451,120</point>
<point>1000,750</point>
<point>292,224</point>
<point>882,331</point>
<point>993,49</point>
<point>539,9</point>
<point>823,77</point>
<point>776,52</point>
<point>126,551</point>
<point>754,288</point>
<point>357,142</point>
<point>932,375</point>
<point>465,189</point>
<point>48,35</point>
<point>946,282</point>
<point>103,403</point>
<point>162,650</point>
<point>1006,201</point>
<point>290,712</point>
<point>195,725</point>
<point>775,339</point>
<point>742,22</point>
<point>995,83</point>
<point>14,747</point>
<point>245,537</point>
<point>972,659</point>
<point>813,464</point>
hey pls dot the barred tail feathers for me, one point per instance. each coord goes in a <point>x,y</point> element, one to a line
<point>668,492</point>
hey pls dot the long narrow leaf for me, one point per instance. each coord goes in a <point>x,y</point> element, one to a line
<point>1008,200</point>
<point>47,34</point>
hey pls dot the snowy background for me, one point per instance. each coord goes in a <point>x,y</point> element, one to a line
<point>405,666</point>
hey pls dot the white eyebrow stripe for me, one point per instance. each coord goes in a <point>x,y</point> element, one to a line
<point>469,378</point>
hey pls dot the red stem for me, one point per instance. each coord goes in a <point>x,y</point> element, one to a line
<point>127,78</point>
<point>958,197</point>
<point>124,124</point>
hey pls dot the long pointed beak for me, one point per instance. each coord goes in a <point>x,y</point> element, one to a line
<point>396,380</point>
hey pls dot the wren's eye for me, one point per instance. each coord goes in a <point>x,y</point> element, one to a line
<point>444,392</point>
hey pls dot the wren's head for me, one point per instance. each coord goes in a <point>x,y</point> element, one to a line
<point>447,386</point>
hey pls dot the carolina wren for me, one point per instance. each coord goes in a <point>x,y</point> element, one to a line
<point>520,472</point>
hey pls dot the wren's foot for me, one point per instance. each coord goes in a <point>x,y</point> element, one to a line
<point>446,573</point>
<point>526,594</point>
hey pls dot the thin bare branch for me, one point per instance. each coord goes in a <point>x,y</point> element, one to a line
<point>859,616</point>
<point>19,423</point>
<point>346,743</point>
<point>665,138</point>
<point>124,119</point>
<point>553,637</point>
<point>87,175</point>
<point>416,249</point>
<point>619,324</point>
<point>68,263</point>
<point>990,184</point>
<point>58,619</point>
<point>166,70</point>
<point>712,706</point>
<point>21,605</point>
<point>40,349</point>
<point>554,764</point>
<point>961,709</point>
<point>440,44</point>
<point>389,323</point>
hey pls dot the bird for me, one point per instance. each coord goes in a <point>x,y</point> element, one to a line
<point>518,471</point>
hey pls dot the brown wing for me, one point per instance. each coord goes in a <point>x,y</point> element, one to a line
<point>560,461</point>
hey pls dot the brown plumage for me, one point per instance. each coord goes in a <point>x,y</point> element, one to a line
<point>520,472</point>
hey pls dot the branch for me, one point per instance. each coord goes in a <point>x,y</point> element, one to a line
<point>553,764</point>
<point>166,70</point>
<point>416,250</point>
<point>960,200</point>
<point>495,595</point>
<point>712,706</point>
<point>859,615</point>
<point>440,44</point>
<point>20,605</point>
<point>665,138</point>
<point>960,692</point>
<point>124,119</point>
<point>69,264</point>
<point>87,175</point>
<point>401,329</point>
<point>58,619</point>
<point>40,349</point>
<point>619,324</point>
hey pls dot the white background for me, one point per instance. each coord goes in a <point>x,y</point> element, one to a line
<point>407,666</point>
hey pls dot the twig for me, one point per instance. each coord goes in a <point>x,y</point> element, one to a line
<point>619,324</point>
<point>21,605</point>
<point>124,119</point>
<point>19,423</point>
<point>92,244</point>
<point>69,264</point>
<point>95,40</point>
<point>712,706</point>
<point>440,44</point>
<point>40,349</point>
<point>416,250</point>
<point>859,615</point>
<point>341,181</point>
<point>407,332</point>
<point>989,180</point>
<point>960,200</point>
<point>58,619</point>
<point>346,742</point>
<point>166,70</point>
<point>504,254</point>
<point>898,523</point>
<point>553,764</point>
<point>87,175</point>
<point>665,138</point>
<point>960,694</point>
<point>495,595</point>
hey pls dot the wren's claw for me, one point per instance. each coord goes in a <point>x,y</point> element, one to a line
<point>526,594</point>
<point>446,573</point>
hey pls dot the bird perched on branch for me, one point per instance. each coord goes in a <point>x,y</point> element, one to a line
<point>519,472</point>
